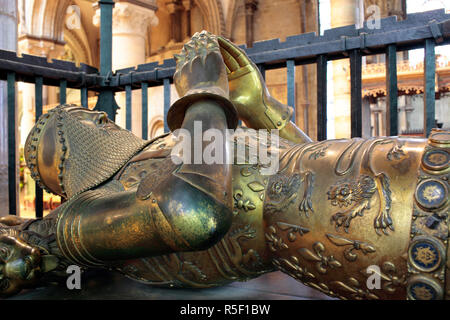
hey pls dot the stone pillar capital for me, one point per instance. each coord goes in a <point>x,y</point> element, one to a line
<point>173,5</point>
<point>187,4</point>
<point>130,18</point>
<point>40,47</point>
<point>251,6</point>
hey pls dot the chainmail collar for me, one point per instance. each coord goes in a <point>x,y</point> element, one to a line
<point>90,155</point>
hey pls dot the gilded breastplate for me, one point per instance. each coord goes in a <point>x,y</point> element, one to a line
<point>337,216</point>
<point>341,218</point>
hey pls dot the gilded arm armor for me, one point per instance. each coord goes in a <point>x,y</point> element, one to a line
<point>188,207</point>
<point>101,226</point>
<point>184,208</point>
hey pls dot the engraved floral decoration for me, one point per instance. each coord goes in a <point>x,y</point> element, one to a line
<point>437,158</point>
<point>425,255</point>
<point>241,203</point>
<point>274,241</point>
<point>292,230</point>
<point>322,287</point>
<point>431,193</point>
<point>323,262</point>
<point>393,279</point>
<point>423,292</point>
<point>352,245</point>
<point>355,290</point>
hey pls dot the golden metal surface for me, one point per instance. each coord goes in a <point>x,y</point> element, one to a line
<point>62,146</point>
<point>428,249</point>
<point>332,211</point>
<point>200,75</point>
<point>249,94</point>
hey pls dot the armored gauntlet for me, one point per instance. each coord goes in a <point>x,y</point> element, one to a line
<point>200,75</point>
<point>251,97</point>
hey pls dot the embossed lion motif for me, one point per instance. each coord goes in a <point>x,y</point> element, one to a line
<point>282,193</point>
<point>355,195</point>
<point>348,192</point>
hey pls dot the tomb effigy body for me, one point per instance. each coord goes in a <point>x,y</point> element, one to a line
<point>334,214</point>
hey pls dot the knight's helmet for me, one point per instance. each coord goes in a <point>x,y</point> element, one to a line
<point>71,149</point>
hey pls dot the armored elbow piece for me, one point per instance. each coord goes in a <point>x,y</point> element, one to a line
<point>99,226</point>
<point>187,215</point>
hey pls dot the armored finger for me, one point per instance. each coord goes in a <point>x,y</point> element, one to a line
<point>231,64</point>
<point>237,53</point>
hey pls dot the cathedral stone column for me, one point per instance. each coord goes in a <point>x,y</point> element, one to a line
<point>250,7</point>
<point>402,109</point>
<point>129,35</point>
<point>8,41</point>
<point>187,6</point>
<point>343,13</point>
<point>175,8</point>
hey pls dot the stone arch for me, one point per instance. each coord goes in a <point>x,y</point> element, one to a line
<point>233,5</point>
<point>78,47</point>
<point>162,47</point>
<point>45,19</point>
<point>77,41</point>
<point>156,126</point>
<point>213,14</point>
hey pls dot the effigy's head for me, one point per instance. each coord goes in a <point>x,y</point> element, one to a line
<point>19,262</point>
<point>72,149</point>
<point>24,256</point>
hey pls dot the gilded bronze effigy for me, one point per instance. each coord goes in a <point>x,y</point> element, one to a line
<point>335,215</point>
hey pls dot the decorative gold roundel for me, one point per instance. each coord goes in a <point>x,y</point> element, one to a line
<point>424,288</point>
<point>425,253</point>
<point>431,194</point>
<point>436,159</point>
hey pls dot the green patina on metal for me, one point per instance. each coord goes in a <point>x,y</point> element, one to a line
<point>12,163</point>
<point>144,110</point>
<point>63,91</point>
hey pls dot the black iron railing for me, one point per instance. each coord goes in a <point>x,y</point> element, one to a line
<point>422,30</point>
